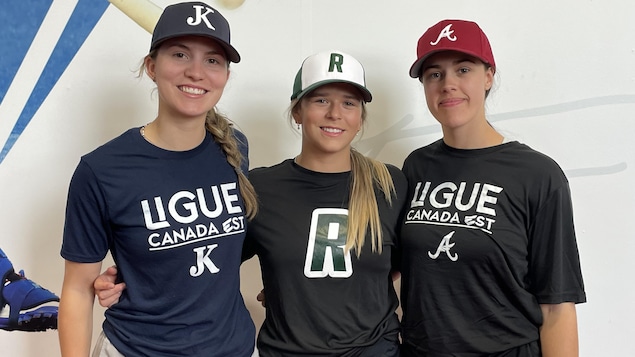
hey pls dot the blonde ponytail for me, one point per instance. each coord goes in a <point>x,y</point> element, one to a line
<point>363,211</point>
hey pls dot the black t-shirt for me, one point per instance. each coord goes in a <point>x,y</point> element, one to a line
<point>320,300</point>
<point>488,235</point>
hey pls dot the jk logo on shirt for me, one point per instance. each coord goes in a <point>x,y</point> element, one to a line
<point>444,247</point>
<point>325,254</point>
<point>201,17</point>
<point>203,261</point>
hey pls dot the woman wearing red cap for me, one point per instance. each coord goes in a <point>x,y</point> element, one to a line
<point>169,201</point>
<point>490,263</point>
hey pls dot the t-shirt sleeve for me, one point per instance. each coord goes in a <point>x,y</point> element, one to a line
<point>86,231</point>
<point>249,249</point>
<point>398,204</point>
<point>243,147</point>
<point>554,263</point>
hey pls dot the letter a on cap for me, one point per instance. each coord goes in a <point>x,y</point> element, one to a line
<point>447,33</point>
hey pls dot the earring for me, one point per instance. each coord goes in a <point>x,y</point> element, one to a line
<point>298,124</point>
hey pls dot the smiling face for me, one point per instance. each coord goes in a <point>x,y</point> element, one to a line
<point>190,73</point>
<point>455,86</point>
<point>331,116</point>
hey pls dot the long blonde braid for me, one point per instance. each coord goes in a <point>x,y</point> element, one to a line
<point>223,133</point>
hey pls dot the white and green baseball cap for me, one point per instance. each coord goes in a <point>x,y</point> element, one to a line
<point>329,67</point>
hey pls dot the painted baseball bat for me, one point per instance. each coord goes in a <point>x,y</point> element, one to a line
<point>144,12</point>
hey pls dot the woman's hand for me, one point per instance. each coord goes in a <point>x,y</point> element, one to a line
<point>106,288</point>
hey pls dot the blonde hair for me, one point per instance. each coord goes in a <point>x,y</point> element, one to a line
<point>221,129</point>
<point>223,133</point>
<point>363,211</point>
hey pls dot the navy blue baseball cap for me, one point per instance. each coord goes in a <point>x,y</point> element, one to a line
<point>194,19</point>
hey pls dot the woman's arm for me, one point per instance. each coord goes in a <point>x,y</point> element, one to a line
<point>559,330</point>
<point>75,320</point>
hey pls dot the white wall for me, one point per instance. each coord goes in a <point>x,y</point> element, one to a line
<point>566,86</point>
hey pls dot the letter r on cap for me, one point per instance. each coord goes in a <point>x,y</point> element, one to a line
<point>336,60</point>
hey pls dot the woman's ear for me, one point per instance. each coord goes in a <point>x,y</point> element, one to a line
<point>149,65</point>
<point>295,113</point>
<point>489,78</point>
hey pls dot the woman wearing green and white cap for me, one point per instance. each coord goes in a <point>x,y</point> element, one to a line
<point>490,261</point>
<point>326,226</point>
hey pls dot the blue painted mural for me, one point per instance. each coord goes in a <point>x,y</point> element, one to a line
<point>19,23</point>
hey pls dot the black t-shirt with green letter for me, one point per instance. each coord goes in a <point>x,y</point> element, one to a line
<point>321,300</point>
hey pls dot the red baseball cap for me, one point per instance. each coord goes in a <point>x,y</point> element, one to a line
<point>453,35</point>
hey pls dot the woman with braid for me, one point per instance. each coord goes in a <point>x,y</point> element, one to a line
<point>170,201</point>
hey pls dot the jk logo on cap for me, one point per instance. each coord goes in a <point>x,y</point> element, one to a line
<point>447,33</point>
<point>201,17</point>
<point>194,19</point>
<point>336,61</point>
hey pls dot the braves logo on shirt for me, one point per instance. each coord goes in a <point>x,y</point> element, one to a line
<point>444,247</point>
<point>457,205</point>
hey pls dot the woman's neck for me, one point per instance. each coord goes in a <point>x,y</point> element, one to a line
<point>478,136</point>
<point>326,163</point>
<point>175,135</point>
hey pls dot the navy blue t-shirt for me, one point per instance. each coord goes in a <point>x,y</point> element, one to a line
<point>175,224</point>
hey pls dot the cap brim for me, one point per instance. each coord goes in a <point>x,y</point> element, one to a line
<point>230,51</point>
<point>415,69</point>
<point>366,95</point>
